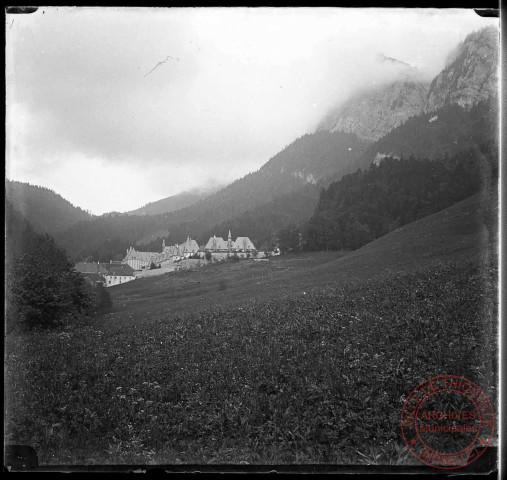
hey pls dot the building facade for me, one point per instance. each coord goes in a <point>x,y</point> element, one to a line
<point>183,250</point>
<point>118,273</point>
<point>139,260</point>
<point>219,245</point>
<point>170,254</point>
<point>109,274</point>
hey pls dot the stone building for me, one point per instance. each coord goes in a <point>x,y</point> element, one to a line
<point>139,260</point>
<point>219,245</point>
<point>109,274</point>
<point>118,273</point>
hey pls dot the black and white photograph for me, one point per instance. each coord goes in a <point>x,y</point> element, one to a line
<point>252,239</point>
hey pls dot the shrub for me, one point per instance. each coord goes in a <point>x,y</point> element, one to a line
<point>207,256</point>
<point>43,288</point>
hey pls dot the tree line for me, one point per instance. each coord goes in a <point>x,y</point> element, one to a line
<point>369,203</point>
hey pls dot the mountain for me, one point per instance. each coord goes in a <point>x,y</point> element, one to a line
<point>449,130</point>
<point>471,74</point>
<point>169,204</point>
<point>44,209</point>
<point>391,115</point>
<point>306,161</point>
<point>263,222</point>
<point>373,113</point>
<point>469,77</point>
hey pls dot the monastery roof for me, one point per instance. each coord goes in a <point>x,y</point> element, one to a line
<point>90,267</point>
<point>243,243</point>
<point>216,243</point>
<point>190,245</point>
<point>119,270</point>
<point>145,256</point>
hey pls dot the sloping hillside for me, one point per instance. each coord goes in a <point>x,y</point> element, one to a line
<point>169,204</point>
<point>466,230</point>
<point>305,161</point>
<point>46,211</point>
<point>263,222</point>
<point>175,202</point>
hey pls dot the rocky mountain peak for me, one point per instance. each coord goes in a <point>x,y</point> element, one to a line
<point>470,76</point>
<point>471,73</point>
<point>372,113</point>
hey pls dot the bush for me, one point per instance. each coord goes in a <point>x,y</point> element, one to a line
<point>207,256</point>
<point>43,288</point>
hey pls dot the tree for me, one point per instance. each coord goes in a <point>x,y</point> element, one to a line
<point>43,288</point>
<point>290,240</point>
<point>207,256</point>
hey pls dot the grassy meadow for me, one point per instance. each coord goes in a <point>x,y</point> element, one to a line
<point>303,359</point>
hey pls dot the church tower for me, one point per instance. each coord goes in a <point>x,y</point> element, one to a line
<point>229,241</point>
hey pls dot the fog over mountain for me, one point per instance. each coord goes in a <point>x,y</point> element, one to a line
<point>470,76</point>
<point>117,108</point>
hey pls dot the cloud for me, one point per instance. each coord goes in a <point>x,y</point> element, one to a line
<point>246,83</point>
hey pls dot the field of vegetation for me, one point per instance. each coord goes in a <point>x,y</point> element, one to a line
<point>455,233</point>
<point>310,377</point>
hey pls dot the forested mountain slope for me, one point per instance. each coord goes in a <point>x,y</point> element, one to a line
<point>46,211</point>
<point>303,163</point>
<point>369,204</point>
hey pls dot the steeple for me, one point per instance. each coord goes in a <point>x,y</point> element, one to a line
<point>229,237</point>
<point>163,244</point>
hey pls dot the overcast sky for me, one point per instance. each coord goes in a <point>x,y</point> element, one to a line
<point>93,114</point>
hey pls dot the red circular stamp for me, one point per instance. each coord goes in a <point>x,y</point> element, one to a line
<point>447,422</point>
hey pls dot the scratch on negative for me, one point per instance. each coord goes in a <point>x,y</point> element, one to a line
<point>160,63</point>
